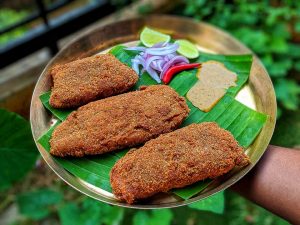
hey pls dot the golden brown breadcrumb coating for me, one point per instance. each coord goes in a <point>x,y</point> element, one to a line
<point>85,80</point>
<point>118,122</point>
<point>175,160</point>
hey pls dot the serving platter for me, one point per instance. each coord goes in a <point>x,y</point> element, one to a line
<point>258,94</point>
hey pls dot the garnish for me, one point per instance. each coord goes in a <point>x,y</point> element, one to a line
<point>151,37</point>
<point>159,55</point>
<point>157,59</point>
<point>187,49</point>
<point>176,69</point>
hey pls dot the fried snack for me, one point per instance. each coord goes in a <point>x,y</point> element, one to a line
<point>175,160</point>
<point>85,80</point>
<point>118,122</point>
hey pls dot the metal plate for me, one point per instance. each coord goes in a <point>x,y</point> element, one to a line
<point>257,94</point>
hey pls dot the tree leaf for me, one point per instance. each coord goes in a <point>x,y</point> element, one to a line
<point>113,215</point>
<point>297,26</point>
<point>37,204</point>
<point>153,217</point>
<point>140,218</point>
<point>239,210</point>
<point>278,45</point>
<point>160,216</point>
<point>17,148</point>
<point>287,130</point>
<point>280,67</point>
<point>297,65</point>
<point>294,50</point>
<point>257,41</point>
<point>287,92</point>
<point>214,203</point>
<point>87,213</point>
<point>90,212</point>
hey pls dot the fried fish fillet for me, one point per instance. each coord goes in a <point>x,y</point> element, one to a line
<point>118,122</point>
<point>175,160</point>
<point>85,80</point>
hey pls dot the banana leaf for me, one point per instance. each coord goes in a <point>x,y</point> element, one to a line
<point>191,190</point>
<point>59,113</point>
<point>243,122</point>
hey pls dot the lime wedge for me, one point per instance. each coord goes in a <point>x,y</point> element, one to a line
<point>187,49</point>
<point>150,37</point>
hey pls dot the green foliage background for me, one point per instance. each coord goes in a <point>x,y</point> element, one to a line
<point>9,17</point>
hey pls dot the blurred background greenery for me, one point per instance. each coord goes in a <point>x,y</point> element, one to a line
<point>35,195</point>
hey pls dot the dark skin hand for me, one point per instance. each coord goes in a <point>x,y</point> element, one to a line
<point>274,183</point>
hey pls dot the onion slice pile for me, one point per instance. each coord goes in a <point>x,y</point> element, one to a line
<point>157,59</point>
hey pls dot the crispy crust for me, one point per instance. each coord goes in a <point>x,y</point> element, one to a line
<point>117,122</point>
<point>175,160</point>
<point>84,80</point>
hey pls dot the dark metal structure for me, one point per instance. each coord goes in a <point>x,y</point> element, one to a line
<point>48,33</point>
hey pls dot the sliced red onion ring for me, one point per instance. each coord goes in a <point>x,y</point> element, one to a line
<point>157,59</point>
<point>161,64</point>
<point>173,61</point>
<point>170,56</point>
<point>150,60</point>
<point>181,63</point>
<point>135,66</point>
<point>154,65</point>
<point>153,74</point>
<point>163,51</point>
<point>160,44</point>
<point>138,60</point>
<point>137,48</point>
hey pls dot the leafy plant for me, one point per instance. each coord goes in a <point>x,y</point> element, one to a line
<point>264,26</point>
<point>238,211</point>
<point>287,131</point>
<point>37,204</point>
<point>153,217</point>
<point>9,17</point>
<point>85,213</point>
<point>214,203</point>
<point>140,218</point>
<point>16,144</point>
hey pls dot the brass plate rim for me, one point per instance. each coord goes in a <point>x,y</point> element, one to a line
<point>73,181</point>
